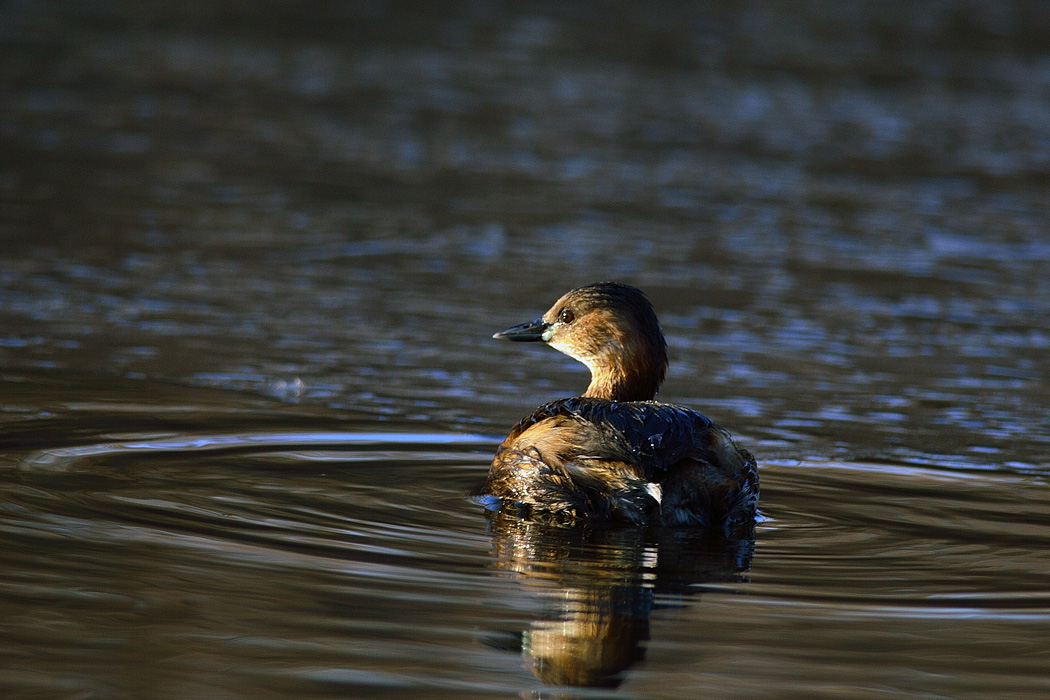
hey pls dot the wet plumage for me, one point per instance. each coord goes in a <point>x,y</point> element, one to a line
<point>614,453</point>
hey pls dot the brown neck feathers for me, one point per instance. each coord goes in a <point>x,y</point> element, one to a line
<point>632,373</point>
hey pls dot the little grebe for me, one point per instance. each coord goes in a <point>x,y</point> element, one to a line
<point>614,453</point>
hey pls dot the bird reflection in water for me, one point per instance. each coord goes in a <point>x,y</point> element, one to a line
<point>598,586</point>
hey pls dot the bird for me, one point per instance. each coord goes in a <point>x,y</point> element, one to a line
<point>614,453</point>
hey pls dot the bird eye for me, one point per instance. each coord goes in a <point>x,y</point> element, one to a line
<point>566,316</point>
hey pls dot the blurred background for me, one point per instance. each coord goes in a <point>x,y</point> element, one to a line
<point>839,209</point>
<point>252,255</point>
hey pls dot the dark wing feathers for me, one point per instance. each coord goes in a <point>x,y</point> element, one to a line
<point>595,457</point>
<point>652,435</point>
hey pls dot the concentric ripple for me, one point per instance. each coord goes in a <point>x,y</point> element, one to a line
<point>355,563</point>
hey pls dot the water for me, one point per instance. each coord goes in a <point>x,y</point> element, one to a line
<point>284,562</point>
<point>252,257</point>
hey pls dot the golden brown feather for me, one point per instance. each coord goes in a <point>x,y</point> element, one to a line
<point>614,453</point>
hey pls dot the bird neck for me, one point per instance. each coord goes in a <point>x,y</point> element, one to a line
<point>626,376</point>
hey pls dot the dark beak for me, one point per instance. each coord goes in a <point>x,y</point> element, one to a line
<point>530,331</point>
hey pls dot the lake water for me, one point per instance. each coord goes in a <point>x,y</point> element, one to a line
<point>252,257</point>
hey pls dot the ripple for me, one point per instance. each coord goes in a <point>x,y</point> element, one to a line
<point>350,556</point>
<point>57,458</point>
<point>896,540</point>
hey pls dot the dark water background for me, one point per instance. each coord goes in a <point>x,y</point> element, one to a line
<point>251,255</point>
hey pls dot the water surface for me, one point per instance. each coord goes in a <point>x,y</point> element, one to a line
<point>282,561</point>
<point>251,259</point>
